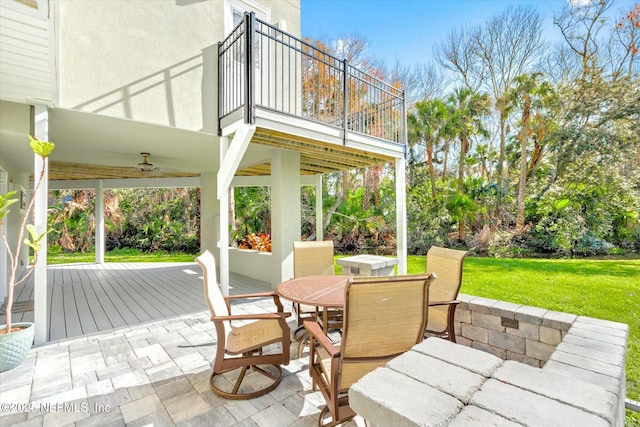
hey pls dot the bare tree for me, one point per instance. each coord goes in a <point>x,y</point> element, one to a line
<point>508,45</point>
<point>352,48</point>
<point>580,24</point>
<point>458,53</point>
<point>560,64</point>
<point>624,48</point>
<point>429,82</point>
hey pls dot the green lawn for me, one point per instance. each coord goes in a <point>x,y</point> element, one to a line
<point>604,289</point>
<point>119,255</point>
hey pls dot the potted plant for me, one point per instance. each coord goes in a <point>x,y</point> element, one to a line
<point>16,339</point>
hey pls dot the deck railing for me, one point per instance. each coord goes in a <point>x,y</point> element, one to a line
<point>262,66</point>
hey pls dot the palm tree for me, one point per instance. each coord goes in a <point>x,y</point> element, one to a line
<point>528,94</point>
<point>425,125</point>
<point>467,109</point>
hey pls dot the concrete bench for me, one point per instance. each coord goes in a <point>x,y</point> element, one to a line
<point>367,265</point>
<point>441,383</point>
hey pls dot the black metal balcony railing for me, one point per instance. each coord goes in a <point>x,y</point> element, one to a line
<point>262,66</point>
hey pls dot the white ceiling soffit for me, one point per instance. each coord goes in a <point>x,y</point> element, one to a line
<point>101,140</point>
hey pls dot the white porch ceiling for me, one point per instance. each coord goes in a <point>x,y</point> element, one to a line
<point>91,139</point>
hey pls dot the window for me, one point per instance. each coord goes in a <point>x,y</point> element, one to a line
<point>235,9</point>
<point>32,7</point>
<point>234,14</point>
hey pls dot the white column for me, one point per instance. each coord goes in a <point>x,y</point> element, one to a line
<point>319,218</point>
<point>99,214</point>
<point>223,199</point>
<point>401,215</point>
<point>285,212</point>
<point>4,264</point>
<point>40,302</point>
<point>209,212</point>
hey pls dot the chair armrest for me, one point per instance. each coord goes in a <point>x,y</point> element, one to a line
<point>435,303</point>
<point>275,296</point>
<point>318,334</point>
<point>256,316</point>
<point>253,295</point>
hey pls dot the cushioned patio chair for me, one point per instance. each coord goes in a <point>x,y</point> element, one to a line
<point>383,317</point>
<point>446,264</point>
<point>251,346</point>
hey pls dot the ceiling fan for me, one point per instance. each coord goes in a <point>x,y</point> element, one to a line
<point>145,166</point>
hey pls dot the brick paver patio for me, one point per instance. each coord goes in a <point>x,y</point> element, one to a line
<point>151,374</point>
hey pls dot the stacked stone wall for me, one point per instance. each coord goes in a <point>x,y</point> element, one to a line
<point>510,331</point>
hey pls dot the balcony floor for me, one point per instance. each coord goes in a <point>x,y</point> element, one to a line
<point>155,368</point>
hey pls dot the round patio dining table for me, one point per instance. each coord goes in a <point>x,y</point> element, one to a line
<point>325,290</point>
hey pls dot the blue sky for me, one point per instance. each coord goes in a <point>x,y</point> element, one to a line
<point>406,30</point>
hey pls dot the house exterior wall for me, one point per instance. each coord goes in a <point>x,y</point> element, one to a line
<point>148,60</point>
<point>26,70</point>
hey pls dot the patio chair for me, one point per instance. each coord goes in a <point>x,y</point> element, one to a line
<point>446,264</point>
<point>383,317</point>
<point>249,346</point>
<point>310,259</point>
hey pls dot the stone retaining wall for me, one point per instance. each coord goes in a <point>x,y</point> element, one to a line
<point>584,348</point>
<point>510,331</point>
<point>576,372</point>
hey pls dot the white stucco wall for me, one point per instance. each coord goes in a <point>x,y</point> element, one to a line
<point>144,59</point>
<point>253,264</point>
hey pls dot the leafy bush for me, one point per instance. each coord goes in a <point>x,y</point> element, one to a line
<point>143,219</point>
<point>256,241</point>
<point>428,221</point>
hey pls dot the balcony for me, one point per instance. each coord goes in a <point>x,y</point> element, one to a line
<point>300,97</point>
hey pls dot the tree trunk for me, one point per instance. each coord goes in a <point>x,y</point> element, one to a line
<point>464,147</point>
<point>535,158</point>
<point>345,185</point>
<point>366,175</point>
<point>232,210</point>
<point>503,120</point>
<point>376,186</point>
<point>444,162</point>
<point>432,172</point>
<point>524,138</point>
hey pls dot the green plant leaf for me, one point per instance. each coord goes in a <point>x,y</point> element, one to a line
<point>35,238</point>
<point>33,232</point>
<point>6,201</point>
<point>41,148</point>
<point>34,245</point>
<point>562,203</point>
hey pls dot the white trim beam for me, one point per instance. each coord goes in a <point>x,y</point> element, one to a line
<point>231,160</point>
<point>401,215</point>
<point>127,183</point>
<point>251,181</point>
<point>223,197</point>
<point>99,214</point>
<point>265,181</point>
<point>40,319</point>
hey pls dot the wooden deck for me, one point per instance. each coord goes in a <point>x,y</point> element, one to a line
<point>89,298</point>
